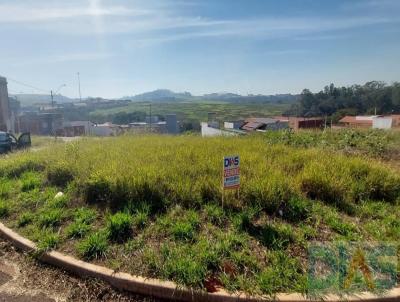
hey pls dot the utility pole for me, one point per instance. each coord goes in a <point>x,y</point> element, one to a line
<point>79,87</point>
<point>52,99</point>
<point>52,93</point>
<point>150,116</point>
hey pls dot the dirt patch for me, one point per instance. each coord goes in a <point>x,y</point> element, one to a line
<point>24,298</point>
<point>37,282</point>
<point>4,278</point>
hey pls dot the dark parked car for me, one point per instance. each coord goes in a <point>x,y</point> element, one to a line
<point>9,142</point>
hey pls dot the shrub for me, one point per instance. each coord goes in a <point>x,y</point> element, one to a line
<point>50,218</point>
<point>119,226</point>
<point>25,219</point>
<point>95,246</point>
<point>4,209</point>
<point>59,175</point>
<point>77,229</point>
<point>30,181</point>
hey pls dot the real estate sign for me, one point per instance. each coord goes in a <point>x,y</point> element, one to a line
<point>231,177</point>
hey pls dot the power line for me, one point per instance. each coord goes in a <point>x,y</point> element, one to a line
<point>27,85</point>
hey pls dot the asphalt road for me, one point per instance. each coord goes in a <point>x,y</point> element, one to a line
<point>23,279</point>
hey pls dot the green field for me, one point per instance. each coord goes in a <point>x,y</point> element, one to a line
<point>196,111</point>
<point>151,205</point>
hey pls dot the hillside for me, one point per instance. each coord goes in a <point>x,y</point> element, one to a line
<point>165,95</point>
<point>32,99</point>
<point>193,112</point>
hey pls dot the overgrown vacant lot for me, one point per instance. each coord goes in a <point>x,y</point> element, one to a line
<point>152,206</point>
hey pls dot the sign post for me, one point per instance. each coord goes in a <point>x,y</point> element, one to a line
<point>231,175</point>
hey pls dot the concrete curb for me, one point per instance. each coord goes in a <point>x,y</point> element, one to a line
<point>165,289</point>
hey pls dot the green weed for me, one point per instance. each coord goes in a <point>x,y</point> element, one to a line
<point>58,202</point>
<point>4,208</point>
<point>30,181</point>
<point>60,174</point>
<point>140,219</point>
<point>85,215</point>
<point>94,246</point>
<point>119,226</point>
<point>50,218</point>
<point>77,229</point>
<point>185,227</point>
<point>48,241</point>
<point>282,273</point>
<point>215,214</point>
<point>6,187</point>
<point>25,219</point>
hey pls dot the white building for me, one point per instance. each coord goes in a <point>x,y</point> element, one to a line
<point>106,129</point>
<point>382,122</point>
<point>211,130</point>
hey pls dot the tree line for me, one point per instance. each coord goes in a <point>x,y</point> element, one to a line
<point>336,102</point>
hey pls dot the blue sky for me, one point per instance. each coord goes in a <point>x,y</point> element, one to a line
<point>244,46</point>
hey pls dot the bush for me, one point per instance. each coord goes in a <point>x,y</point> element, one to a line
<point>60,175</point>
<point>94,246</point>
<point>50,218</point>
<point>119,226</point>
<point>25,219</point>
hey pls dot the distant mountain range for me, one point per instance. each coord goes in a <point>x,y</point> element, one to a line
<point>165,95</point>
